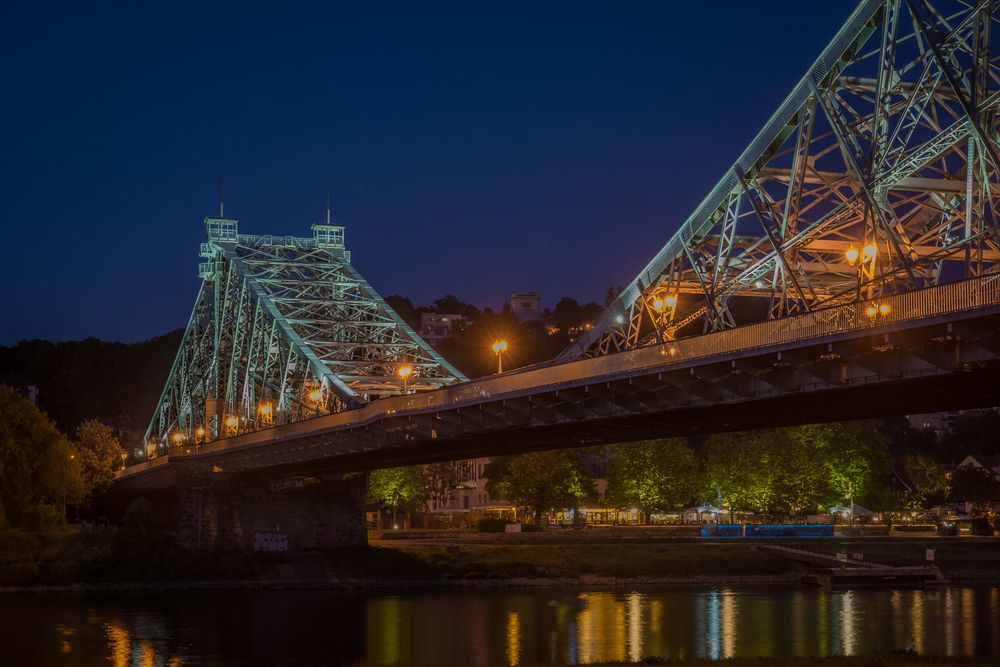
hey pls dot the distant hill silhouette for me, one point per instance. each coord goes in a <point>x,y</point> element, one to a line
<point>116,383</point>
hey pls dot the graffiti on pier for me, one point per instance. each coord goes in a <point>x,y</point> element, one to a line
<point>270,541</point>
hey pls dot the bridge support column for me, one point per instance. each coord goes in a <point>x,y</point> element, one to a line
<point>216,513</point>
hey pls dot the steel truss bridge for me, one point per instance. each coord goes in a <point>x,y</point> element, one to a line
<point>845,266</point>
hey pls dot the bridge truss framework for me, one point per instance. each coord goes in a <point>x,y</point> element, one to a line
<point>284,329</point>
<point>877,175</point>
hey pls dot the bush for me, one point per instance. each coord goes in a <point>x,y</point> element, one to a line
<point>43,517</point>
<point>492,525</point>
<point>141,514</point>
<point>530,528</point>
<point>20,552</point>
<point>981,525</point>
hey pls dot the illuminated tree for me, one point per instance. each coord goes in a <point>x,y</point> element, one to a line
<point>540,481</point>
<point>653,476</point>
<point>100,454</point>
<point>397,487</point>
<point>855,455</point>
<point>929,477</point>
<point>766,471</point>
<point>39,468</point>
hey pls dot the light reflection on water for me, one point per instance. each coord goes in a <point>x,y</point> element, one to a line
<point>499,627</point>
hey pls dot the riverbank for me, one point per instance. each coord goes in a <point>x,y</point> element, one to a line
<point>131,560</point>
<point>877,660</point>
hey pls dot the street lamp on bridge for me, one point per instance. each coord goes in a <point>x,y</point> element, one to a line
<point>405,372</point>
<point>232,425</point>
<point>499,347</point>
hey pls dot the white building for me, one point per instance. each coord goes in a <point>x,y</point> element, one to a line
<point>526,306</point>
<point>435,327</point>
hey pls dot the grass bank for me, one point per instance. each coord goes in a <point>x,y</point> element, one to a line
<point>76,556</point>
<point>646,555</point>
<point>903,659</point>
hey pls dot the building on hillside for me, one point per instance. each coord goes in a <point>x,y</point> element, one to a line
<point>526,306</point>
<point>988,462</point>
<point>943,423</point>
<point>21,385</point>
<point>435,327</point>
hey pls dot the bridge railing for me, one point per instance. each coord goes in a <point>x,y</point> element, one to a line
<point>888,310</point>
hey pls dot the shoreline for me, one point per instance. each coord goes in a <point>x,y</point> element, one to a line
<point>357,584</point>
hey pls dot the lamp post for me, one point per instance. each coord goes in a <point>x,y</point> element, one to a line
<point>405,372</point>
<point>266,414</point>
<point>499,348</point>
<point>666,305</point>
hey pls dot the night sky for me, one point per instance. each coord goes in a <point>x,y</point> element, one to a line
<point>473,148</point>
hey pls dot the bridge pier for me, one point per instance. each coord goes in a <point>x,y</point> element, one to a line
<point>214,512</point>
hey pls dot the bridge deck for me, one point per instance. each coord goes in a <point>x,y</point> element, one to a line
<point>935,305</point>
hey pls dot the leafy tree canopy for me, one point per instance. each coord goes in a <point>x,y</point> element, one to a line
<point>38,465</point>
<point>654,475</point>
<point>398,487</point>
<point>971,483</point>
<point>100,454</point>
<point>855,455</point>
<point>540,481</point>
<point>766,471</point>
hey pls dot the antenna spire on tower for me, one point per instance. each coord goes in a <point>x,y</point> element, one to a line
<point>328,200</point>
<point>222,194</point>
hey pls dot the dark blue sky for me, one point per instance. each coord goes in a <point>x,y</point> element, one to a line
<point>473,148</point>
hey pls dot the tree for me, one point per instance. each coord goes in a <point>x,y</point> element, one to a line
<point>929,477</point>
<point>854,454</point>
<point>567,314</point>
<point>397,487</point>
<point>653,475</point>
<point>100,455</point>
<point>449,304</point>
<point>766,471</point>
<point>440,479</point>
<point>405,309</point>
<point>540,481</point>
<point>38,465</point>
<point>970,483</point>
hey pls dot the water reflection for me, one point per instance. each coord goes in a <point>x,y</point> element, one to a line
<point>512,628</point>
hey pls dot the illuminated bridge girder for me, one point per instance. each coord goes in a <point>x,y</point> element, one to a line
<point>889,141</point>
<point>936,349</point>
<point>283,329</point>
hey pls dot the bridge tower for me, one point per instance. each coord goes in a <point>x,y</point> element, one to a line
<point>284,329</point>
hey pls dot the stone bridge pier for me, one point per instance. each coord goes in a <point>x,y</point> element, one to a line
<point>220,512</point>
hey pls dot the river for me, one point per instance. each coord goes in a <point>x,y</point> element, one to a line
<point>501,627</point>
